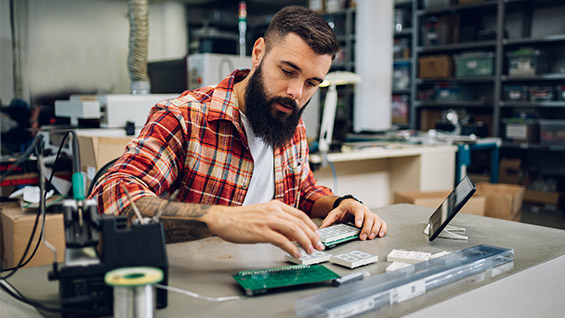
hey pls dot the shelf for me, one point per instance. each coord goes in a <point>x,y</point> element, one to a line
<point>400,91</point>
<point>552,104</point>
<point>403,33</point>
<point>457,47</point>
<point>533,78</point>
<point>531,146</point>
<point>490,5</point>
<point>477,79</point>
<point>544,39</point>
<point>409,60</point>
<point>453,104</point>
<point>537,3</point>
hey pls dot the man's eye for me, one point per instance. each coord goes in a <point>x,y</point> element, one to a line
<point>310,84</point>
<point>286,72</point>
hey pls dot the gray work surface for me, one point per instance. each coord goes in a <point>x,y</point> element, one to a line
<point>205,266</point>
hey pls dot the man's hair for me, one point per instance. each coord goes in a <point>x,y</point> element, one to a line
<point>305,23</point>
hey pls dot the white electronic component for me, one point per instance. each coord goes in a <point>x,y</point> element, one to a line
<point>396,266</point>
<point>338,233</point>
<point>119,109</point>
<point>308,259</point>
<point>440,254</point>
<point>354,259</point>
<point>77,109</point>
<point>410,257</point>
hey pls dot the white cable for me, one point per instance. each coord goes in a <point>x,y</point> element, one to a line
<point>195,295</point>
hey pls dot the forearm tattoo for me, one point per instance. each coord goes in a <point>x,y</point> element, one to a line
<point>180,220</point>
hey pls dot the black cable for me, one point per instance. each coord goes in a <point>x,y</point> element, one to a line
<point>21,263</point>
<point>40,305</point>
<point>19,160</point>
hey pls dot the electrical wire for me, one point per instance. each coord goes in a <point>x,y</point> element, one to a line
<point>19,160</point>
<point>22,263</point>
<point>39,305</point>
<point>195,295</point>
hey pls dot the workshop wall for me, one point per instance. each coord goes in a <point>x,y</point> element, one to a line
<point>82,45</point>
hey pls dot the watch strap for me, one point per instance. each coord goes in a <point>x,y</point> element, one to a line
<point>347,196</point>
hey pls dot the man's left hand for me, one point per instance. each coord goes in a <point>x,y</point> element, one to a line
<point>371,224</point>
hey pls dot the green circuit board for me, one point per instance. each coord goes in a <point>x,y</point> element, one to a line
<point>260,281</point>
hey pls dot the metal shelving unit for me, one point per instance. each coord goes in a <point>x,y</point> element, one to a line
<point>500,9</point>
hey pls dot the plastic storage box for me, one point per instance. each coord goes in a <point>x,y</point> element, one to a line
<point>519,129</point>
<point>474,64</point>
<point>526,62</point>
<point>401,75</point>
<point>449,92</point>
<point>436,3</point>
<point>516,93</point>
<point>552,132</point>
<point>560,92</point>
<point>541,93</point>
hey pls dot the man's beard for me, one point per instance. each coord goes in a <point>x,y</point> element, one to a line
<point>273,126</point>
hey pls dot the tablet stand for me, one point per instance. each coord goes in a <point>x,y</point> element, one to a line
<point>450,232</point>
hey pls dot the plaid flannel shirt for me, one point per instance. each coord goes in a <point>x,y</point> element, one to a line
<point>197,143</point>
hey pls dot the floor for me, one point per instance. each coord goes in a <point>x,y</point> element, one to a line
<point>544,217</point>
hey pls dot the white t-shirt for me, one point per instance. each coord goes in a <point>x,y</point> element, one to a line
<point>262,186</point>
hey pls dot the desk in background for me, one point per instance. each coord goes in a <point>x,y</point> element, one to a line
<point>373,174</point>
<point>205,267</point>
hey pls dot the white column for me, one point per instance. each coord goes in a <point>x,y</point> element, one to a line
<point>373,62</point>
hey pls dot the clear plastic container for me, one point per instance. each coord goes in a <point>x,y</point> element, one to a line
<point>406,283</point>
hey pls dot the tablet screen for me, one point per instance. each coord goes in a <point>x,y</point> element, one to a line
<point>450,206</point>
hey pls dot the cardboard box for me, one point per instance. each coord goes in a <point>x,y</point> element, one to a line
<point>509,171</point>
<point>16,230</point>
<point>503,201</point>
<point>433,199</point>
<point>435,66</point>
<point>538,197</point>
<point>96,151</point>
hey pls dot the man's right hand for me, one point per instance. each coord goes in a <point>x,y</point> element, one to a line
<point>271,222</point>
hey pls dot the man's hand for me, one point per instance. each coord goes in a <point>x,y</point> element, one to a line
<point>271,222</point>
<point>348,210</point>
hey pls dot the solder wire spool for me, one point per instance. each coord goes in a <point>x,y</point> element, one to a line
<point>134,293</point>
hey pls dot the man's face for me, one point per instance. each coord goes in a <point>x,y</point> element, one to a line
<point>281,85</point>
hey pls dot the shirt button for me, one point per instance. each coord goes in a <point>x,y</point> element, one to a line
<point>244,187</point>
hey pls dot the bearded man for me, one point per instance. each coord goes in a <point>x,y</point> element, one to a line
<point>237,152</point>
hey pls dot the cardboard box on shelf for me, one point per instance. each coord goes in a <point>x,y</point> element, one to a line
<point>433,199</point>
<point>503,201</point>
<point>16,230</point>
<point>509,171</point>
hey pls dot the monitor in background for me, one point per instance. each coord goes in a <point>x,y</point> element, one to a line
<point>168,76</point>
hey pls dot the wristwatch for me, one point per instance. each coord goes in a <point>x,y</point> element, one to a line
<point>347,196</point>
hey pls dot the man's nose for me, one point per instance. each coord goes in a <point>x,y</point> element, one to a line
<point>295,89</point>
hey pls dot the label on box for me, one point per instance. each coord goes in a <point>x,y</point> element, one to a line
<point>516,131</point>
<point>407,291</point>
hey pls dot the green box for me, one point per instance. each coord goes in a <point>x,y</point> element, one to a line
<point>474,64</point>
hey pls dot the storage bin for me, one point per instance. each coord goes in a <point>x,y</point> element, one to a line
<point>519,129</point>
<point>401,75</point>
<point>474,64</point>
<point>541,93</point>
<point>552,132</point>
<point>435,66</point>
<point>449,92</point>
<point>560,92</point>
<point>526,62</point>
<point>516,93</point>
<point>436,3</point>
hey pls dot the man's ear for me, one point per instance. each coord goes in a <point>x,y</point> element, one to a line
<point>259,49</point>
